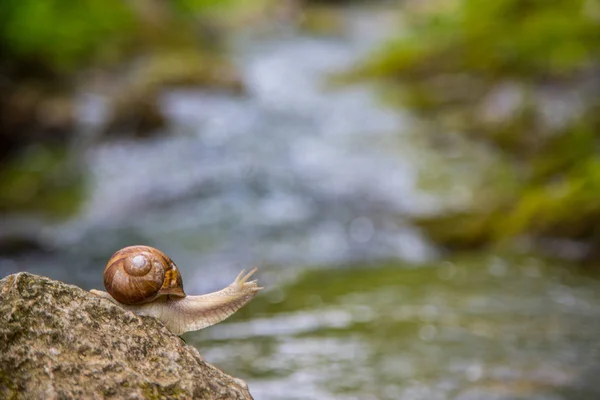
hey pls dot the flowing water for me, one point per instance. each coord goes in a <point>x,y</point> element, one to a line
<point>484,327</point>
<point>313,185</point>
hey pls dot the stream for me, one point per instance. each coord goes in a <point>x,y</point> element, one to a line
<point>313,185</point>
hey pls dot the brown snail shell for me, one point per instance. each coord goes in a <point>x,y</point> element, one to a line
<point>143,280</point>
<point>140,274</point>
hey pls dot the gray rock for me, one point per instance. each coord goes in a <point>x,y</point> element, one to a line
<point>58,341</point>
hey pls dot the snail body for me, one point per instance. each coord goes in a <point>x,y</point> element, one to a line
<point>146,281</point>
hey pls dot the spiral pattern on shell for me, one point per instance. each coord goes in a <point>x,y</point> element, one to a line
<point>140,274</point>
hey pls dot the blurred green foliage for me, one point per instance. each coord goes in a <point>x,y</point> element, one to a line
<point>61,32</point>
<point>46,46</point>
<point>65,34</point>
<point>524,38</point>
<point>519,77</point>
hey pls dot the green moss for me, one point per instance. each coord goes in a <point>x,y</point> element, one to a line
<point>8,389</point>
<point>156,392</point>
<point>150,392</point>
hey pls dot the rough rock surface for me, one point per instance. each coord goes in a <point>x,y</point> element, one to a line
<point>58,341</point>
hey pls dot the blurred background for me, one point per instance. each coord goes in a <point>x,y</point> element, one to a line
<point>418,181</point>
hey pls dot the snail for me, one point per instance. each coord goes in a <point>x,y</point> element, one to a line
<point>146,281</point>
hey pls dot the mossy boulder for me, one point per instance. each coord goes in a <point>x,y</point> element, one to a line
<point>60,341</point>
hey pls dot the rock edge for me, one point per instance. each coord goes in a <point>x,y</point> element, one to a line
<point>59,341</point>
